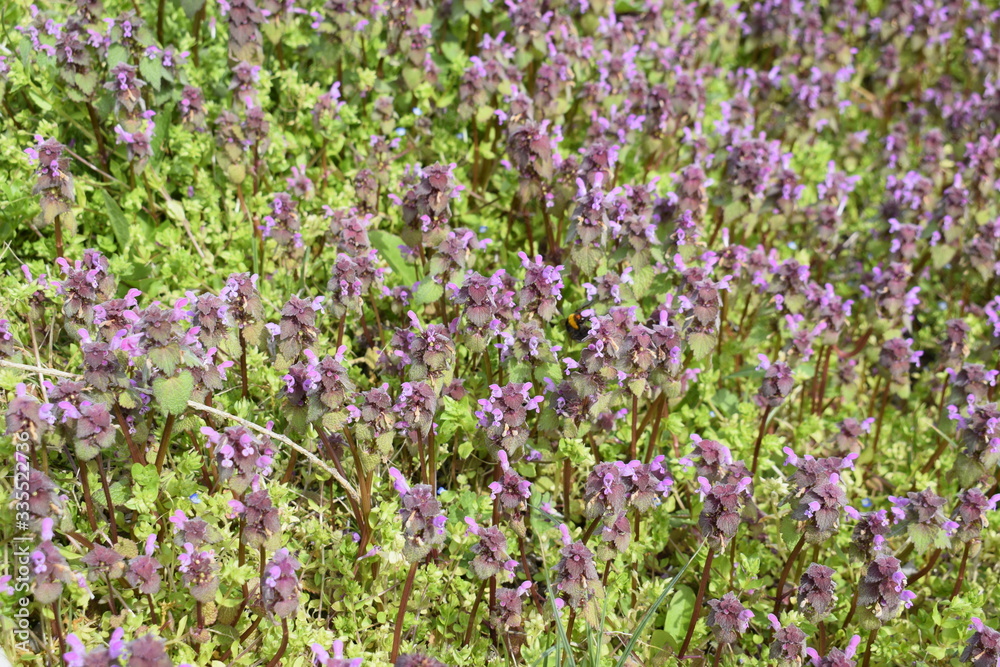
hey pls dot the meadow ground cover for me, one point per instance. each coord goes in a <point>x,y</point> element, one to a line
<point>518,333</point>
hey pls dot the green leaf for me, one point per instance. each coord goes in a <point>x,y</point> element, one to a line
<point>453,51</point>
<point>921,536</point>
<point>117,54</point>
<point>173,393</point>
<point>483,114</point>
<point>160,132</point>
<point>642,280</point>
<point>587,258</point>
<point>732,211</point>
<point>701,344</point>
<point>87,82</point>
<point>119,225</point>
<point>388,247</point>
<point>941,254</point>
<point>152,72</point>
<point>678,613</point>
<point>413,77</point>
<point>428,292</point>
<point>191,7</point>
<point>145,476</point>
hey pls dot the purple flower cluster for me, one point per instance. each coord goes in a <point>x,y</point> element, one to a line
<point>983,647</point>
<point>242,457</point>
<point>816,591</point>
<point>818,495</point>
<point>789,645</point>
<point>490,552</point>
<point>55,183</point>
<point>199,571</point>
<point>576,576</point>
<point>280,585</point>
<point>512,492</point>
<point>923,515</point>
<point>420,512</point>
<point>504,414</point>
<point>728,618</point>
<point>322,657</point>
<point>882,589</point>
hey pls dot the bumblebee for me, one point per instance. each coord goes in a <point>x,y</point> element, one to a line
<point>577,326</point>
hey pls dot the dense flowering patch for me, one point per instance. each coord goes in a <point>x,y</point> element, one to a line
<point>419,333</point>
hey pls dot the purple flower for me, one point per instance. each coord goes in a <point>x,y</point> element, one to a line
<point>242,299</point>
<point>721,513</point>
<point>55,183</point>
<point>882,590</point>
<point>605,491</point>
<point>869,533</point>
<point>504,415</point>
<point>616,535</point>
<point>507,615</point>
<point>420,512</point>
<point>849,434</point>
<point>321,658</point>
<point>420,353</point>
<point>710,459</point>
<point>262,526</point>
<point>728,618</point>
<point>43,497</point>
<point>427,208</point>
<point>78,656</point>
<point>923,514</point>
<point>142,570</point>
<point>777,383</point>
<point>983,647</point>
<point>789,645</point>
<point>242,456</point>
<point>192,108</point>
<point>127,87</point>
<point>280,585</point>
<point>148,651</point>
<point>297,329</point>
<point>373,420</point>
<point>199,570</point>
<point>86,283</point>
<point>576,577</point>
<point>972,507</point>
<point>48,568</point>
<point>351,278</point>
<point>283,224</point>
<point>979,430</point>
<point>103,562</point>
<point>816,592</point>
<point>488,307</point>
<point>895,358</point>
<point>415,407</point>
<point>819,498</point>
<point>513,492</point>
<point>490,552</point>
<point>836,657</point>
<point>542,289</point>
<point>196,530</point>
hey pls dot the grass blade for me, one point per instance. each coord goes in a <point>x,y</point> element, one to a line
<point>651,612</point>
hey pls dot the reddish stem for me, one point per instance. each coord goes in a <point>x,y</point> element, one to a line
<point>961,572</point>
<point>397,635</point>
<point>779,594</point>
<point>696,612</point>
<point>276,660</point>
<point>760,439</point>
